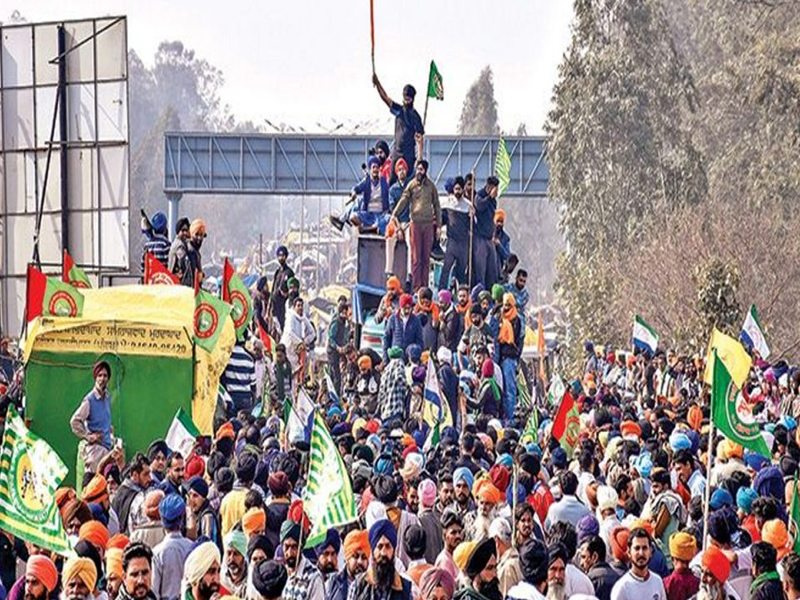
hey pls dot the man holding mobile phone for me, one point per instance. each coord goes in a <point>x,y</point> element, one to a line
<point>92,420</point>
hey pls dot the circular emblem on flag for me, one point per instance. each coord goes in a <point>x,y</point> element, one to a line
<point>239,308</point>
<point>205,320</point>
<point>572,430</point>
<point>159,278</point>
<point>28,493</point>
<point>740,415</point>
<point>79,284</point>
<point>62,305</point>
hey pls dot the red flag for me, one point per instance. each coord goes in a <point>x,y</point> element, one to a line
<point>36,284</point>
<point>566,424</point>
<point>155,273</point>
<point>72,274</point>
<point>265,338</point>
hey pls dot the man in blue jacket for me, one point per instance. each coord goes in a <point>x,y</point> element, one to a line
<point>402,329</point>
<point>371,214</point>
<point>484,256</point>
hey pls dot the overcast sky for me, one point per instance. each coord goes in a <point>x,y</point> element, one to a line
<point>308,61</point>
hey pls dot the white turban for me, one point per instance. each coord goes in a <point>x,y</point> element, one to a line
<point>607,498</point>
<point>198,563</point>
<point>444,355</point>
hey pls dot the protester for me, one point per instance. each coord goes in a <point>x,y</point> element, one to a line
<point>178,258</point>
<point>91,422</point>
<point>170,555</point>
<point>408,129</point>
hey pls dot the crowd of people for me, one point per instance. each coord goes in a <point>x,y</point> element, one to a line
<point>498,507</point>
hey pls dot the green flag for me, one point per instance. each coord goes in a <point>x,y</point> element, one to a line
<point>328,498</point>
<point>502,167</point>
<point>794,517</point>
<point>531,432</point>
<point>49,297</point>
<point>435,83</point>
<point>30,473</point>
<point>235,292</point>
<point>72,273</point>
<point>209,317</point>
<point>523,392</point>
<point>556,391</point>
<point>730,416</point>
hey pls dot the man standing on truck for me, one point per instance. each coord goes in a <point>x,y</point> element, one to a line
<point>92,420</point>
<point>426,219</point>
<point>408,130</point>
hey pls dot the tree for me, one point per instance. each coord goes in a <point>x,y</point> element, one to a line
<point>479,113</point>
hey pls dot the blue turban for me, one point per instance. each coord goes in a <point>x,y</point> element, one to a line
<point>414,352</point>
<point>721,497</point>
<point>533,448</point>
<point>576,388</point>
<point>744,499</point>
<point>643,464</point>
<point>332,538</point>
<point>449,436</point>
<point>463,474</point>
<point>282,250</point>
<point>587,527</point>
<point>518,491</point>
<point>375,442</point>
<point>419,438</point>
<point>695,439</point>
<point>340,429</point>
<point>788,422</point>
<point>333,411</point>
<point>505,460</point>
<point>409,90</point>
<point>172,509</point>
<point>475,291</point>
<point>373,160</point>
<point>99,514</point>
<point>382,528</point>
<point>559,458</point>
<point>718,527</point>
<point>679,441</point>
<point>449,185</point>
<point>159,222</point>
<point>384,465</point>
<point>769,482</point>
<point>755,461</point>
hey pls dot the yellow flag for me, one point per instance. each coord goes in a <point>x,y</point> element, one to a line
<point>731,353</point>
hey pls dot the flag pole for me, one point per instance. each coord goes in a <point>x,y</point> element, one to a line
<point>709,458</point>
<point>372,31</point>
<point>515,471</point>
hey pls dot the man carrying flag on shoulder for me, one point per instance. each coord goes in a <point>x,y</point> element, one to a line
<point>91,422</point>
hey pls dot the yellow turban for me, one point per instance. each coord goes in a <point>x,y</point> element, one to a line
<point>682,546</point>
<point>114,562</point>
<point>96,490</point>
<point>462,553</point>
<point>80,567</point>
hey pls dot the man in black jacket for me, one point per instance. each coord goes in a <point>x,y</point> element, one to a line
<point>766,581</point>
<point>593,563</point>
<point>280,285</point>
<point>484,257</point>
<point>381,579</point>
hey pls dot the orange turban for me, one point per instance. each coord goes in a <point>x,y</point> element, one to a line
<point>254,520</point>
<point>364,362</point>
<point>226,431</point>
<point>95,533</point>
<point>499,215</point>
<point>355,541</point>
<point>644,524</point>
<point>728,449</point>
<point>630,428</point>
<point>151,502</point>
<point>43,569</point>
<point>64,495</point>
<point>774,532</point>
<point>96,490</point>
<point>619,543</point>
<point>695,417</point>
<point>485,490</point>
<point>393,283</point>
<point>715,561</point>
<point>119,540</point>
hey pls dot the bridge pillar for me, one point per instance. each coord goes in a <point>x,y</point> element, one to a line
<point>174,200</point>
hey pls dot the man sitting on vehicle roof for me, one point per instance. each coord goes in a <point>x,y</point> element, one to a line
<point>371,214</point>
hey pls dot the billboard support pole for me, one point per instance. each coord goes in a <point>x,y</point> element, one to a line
<point>63,135</point>
<point>173,203</point>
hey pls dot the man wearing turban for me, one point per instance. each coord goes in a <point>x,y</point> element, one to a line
<point>682,583</point>
<point>79,578</point>
<point>356,556</point>
<point>114,572</point>
<point>269,579</point>
<point>305,580</point>
<point>715,571</point>
<point>234,573</point>
<point>91,422</point>
<point>481,569</point>
<point>462,488</point>
<point>436,584</point>
<point>204,520</point>
<point>328,555</point>
<point>201,573</point>
<point>381,579</point>
<point>170,554</point>
<point>96,492</point>
<point>136,565</point>
<point>533,560</point>
<point>393,390</point>
<point>403,329</point>
<point>477,522</point>
<point>41,578</point>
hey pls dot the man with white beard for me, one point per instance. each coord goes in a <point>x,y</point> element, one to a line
<point>477,523</point>
<point>556,571</point>
<point>716,570</point>
<point>79,579</point>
